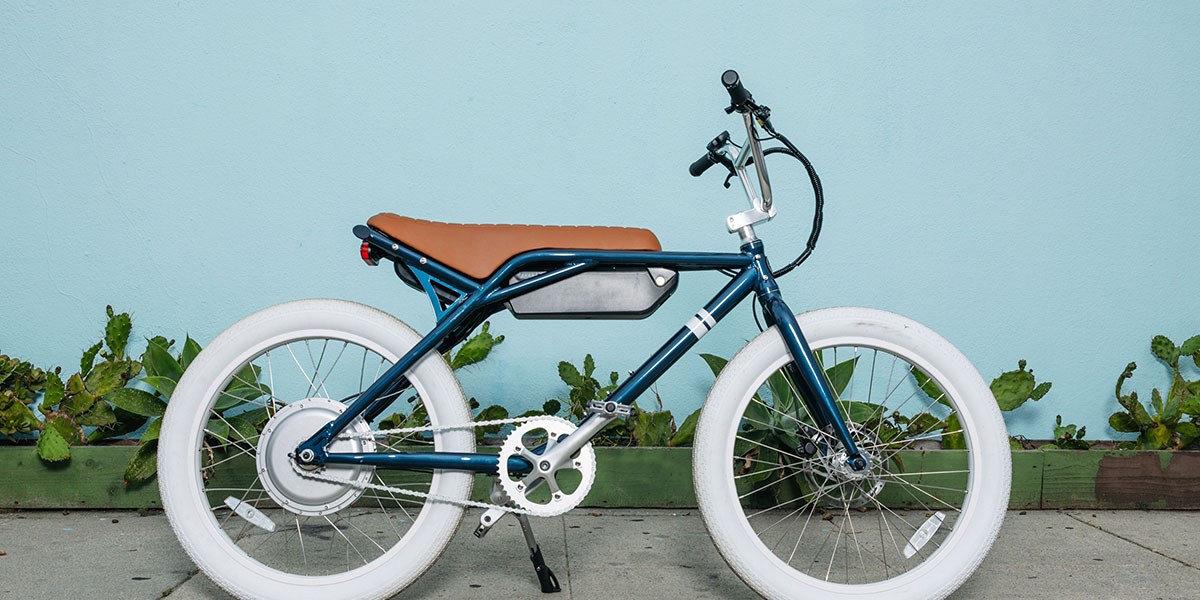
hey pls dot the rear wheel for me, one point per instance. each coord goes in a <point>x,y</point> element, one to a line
<point>260,525</point>
<point>915,524</point>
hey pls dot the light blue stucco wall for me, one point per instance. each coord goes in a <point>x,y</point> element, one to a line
<point>1022,176</point>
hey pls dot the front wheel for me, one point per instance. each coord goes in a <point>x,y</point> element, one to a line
<point>261,525</point>
<point>796,524</point>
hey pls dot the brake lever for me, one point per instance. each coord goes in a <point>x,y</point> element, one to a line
<point>728,164</point>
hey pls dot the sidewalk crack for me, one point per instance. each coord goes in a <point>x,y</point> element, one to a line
<point>1142,546</point>
<point>171,590</point>
<point>567,557</point>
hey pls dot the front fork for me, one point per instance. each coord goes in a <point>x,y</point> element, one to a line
<point>804,370</point>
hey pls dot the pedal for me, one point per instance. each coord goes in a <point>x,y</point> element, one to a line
<point>608,408</point>
<point>545,576</point>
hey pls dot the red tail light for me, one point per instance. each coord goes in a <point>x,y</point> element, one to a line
<point>367,257</point>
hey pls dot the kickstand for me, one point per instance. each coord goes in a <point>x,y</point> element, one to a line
<point>544,574</point>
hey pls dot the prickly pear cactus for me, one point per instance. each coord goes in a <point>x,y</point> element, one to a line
<point>1014,388</point>
<point>20,384</point>
<point>1165,428</point>
<point>81,400</point>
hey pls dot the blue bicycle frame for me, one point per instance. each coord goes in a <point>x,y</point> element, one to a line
<point>476,301</point>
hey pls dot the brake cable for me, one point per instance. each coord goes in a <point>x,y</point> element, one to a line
<point>818,201</point>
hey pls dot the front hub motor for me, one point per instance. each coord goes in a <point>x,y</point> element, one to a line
<point>284,478</point>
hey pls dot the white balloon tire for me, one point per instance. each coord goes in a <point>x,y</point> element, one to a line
<point>178,453</point>
<point>988,481</point>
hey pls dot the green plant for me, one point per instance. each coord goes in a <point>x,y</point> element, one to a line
<point>642,428</point>
<point>1165,428</point>
<point>1014,388</point>
<point>20,385</point>
<point>770,433</point>
<point>1068,437</point>
<point>83,400</point>
<point>162,372</point>
<point>583,388</point>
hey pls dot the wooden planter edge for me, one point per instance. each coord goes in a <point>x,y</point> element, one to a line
<point>657,478</point>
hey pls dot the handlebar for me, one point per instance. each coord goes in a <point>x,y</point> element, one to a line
<point>712,157</point>
<point>721,150</point>
<point>702,164</point>
<point>739,98</point>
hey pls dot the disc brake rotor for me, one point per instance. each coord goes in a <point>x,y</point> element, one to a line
<point>835,485</point>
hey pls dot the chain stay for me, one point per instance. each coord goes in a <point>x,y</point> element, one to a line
<point>411,493</point>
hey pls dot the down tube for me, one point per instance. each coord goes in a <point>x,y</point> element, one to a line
<point>704,320</point>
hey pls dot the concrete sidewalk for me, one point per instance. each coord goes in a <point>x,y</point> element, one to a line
<point>626,554</point>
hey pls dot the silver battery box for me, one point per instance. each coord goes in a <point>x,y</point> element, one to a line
<point>602,294</point>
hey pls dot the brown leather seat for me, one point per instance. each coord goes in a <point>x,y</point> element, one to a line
<point>478,250</point>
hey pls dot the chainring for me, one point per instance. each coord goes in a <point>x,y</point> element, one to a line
<point>523,490</point>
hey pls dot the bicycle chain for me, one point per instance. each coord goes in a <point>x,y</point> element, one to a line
<point>435,497</point>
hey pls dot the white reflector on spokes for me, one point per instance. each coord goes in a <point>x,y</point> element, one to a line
<point>923,534</point>
<point>251,514</point>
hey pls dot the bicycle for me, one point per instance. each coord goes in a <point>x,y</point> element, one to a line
<point>821,462</point>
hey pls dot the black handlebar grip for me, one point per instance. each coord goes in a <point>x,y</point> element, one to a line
<point>738,95</point>
<point>700,166</point>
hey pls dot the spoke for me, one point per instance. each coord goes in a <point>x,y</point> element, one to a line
<point>350,521</point>
<point>271,379</point>
<point>349,545</point>
<point>770,470</point>
<point>918,438</point>
<point>760,532</point>
<point>300,536</point>
<point>833,554</point>
<point>336,360</point>
<point>882,543</point>
<point>760,488</point>
<point>394,499</point>
<point>871,378</point>
<point>225,445</point>
<point>908,474</point>
<point>899,479</point>
<point>311,385</point>
<point>783,452</point>
<point>807,428</point>
<point>252,450</point>
<point>249,489</point>
<point>908,485</point>
<point>925,410</point>
<point>225,460</point>
<point>317,363</point>
<point>362,370</point>
<point>811,512</point>
<point>777,506</point>
<point>857,546</point>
